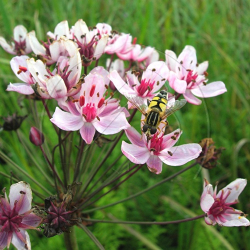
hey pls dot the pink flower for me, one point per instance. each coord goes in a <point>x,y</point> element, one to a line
<point>92,111</point>
<point>61,29</point>
<point>91,43</point>
<point>51,51</point>
<point>218,206</point>
<point>136,53</point>
<point>159,149</point>
<point>153,78</point>
<point>103,29</point>
<point>16,217</point>
<point>120,44</point>
<point>62,82</point>
<point>21,45</point>
<point>19,67</point>
<point>187,77</point>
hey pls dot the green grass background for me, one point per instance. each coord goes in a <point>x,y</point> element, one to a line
<point>219,30</point>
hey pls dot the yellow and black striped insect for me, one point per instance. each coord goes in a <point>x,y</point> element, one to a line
<point>156,112</point>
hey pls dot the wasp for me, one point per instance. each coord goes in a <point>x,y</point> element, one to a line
<point>156,111</point>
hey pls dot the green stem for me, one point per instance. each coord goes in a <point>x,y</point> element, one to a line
<point>70,239</point>
<point>146,222</point>
<point>104,173</point>
<point>7,159</point>
<point>114,187</point>
<point>48,113</point>
<point>78,161</point>
<point>102,162</point>
<point>62,153</point>
<point>51,166</point>
<point>91,236</point>
<point>34,160</point>
<point>143,191</point>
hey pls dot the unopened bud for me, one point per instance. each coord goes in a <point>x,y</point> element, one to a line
<point>36,136</point>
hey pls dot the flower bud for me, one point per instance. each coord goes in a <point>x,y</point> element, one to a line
<point>36,136</point>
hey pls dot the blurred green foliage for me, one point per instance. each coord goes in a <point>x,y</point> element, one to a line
<point>219,30</point>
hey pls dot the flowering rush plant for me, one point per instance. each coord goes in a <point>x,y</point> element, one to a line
<point>93,84</point>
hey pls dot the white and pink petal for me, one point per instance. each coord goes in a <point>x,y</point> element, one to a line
<point>201,68</point>
<point>209,90</point>
<point>21,193</point>
<point>179,155</point>
<point>176,84</point>
<point>136,154</point>
<point>235,220</point>
<point>20,33</point>
<point>171,60</point>
<point>67,121</point>
<point>235,188</point>
<point>158,73</point>
<point>154,164</point>
<point>111,124</point>
<point>21,88</point>
<point>87,132</point>
<point>21,240</point>
<point>134,137</point>
<point>170,139</point>
<point>188,95</point>
<point>120,85</point>
<point>56,87</point>
<point>8,48</point>
<point>3,239</point>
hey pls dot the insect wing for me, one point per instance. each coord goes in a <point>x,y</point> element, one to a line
<point>138,103</point>
<point>176,106</point>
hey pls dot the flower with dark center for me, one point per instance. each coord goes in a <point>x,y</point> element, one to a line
<point>92,112</point>
<point>20,45</point>
<point>218,206</point>
<point>160,148</point>
<point>189,78</point>
<point>90,42</point>
<point>144,87</point>
<point>16,216</point>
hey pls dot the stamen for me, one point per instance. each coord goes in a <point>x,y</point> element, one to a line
<point>92,91</point>
<point>21,69</point>
<point>134,40</point>
<point>101,102</point>
<point>82,100</point>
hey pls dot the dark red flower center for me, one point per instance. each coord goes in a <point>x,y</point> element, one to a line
<point>156,144</point>
<point>20,46</point>
<point>89,112</point>
<point>145,87</point>
<point>190,78</point>
<point>10,220</point>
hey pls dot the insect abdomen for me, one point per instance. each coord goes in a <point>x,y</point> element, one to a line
<point>153,119</point>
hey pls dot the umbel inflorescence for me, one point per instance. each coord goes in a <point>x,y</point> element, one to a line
<point>84,70</point>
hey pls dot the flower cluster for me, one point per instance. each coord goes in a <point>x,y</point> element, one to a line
<point>67,69</point>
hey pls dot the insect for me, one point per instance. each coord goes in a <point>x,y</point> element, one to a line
<point>156,112</point>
